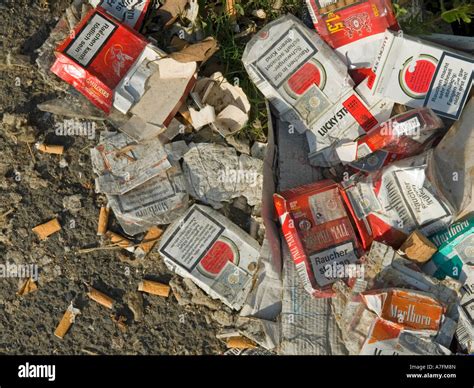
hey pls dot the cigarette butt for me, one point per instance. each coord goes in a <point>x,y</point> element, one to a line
<point>331,7</point>
<point>45,230</point>
<point>341,3</point>
<point>50,149</point>
<point>27,287</point>
<point>184,112</point>
<point>240,343</point>
<point>103,220</point>
<point>66,321</point>
<point>230,9</point>
<point>150,239</point>
<point>119,240</point>
<point>100,298</point>
<point>154,288</point>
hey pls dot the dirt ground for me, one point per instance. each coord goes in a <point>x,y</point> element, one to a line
<point>35,188</point>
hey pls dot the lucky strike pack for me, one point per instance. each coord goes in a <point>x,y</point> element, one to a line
<point>318,232</point>
<point>97,56</point>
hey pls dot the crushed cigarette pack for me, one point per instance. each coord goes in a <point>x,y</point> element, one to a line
<point>306,82</point>
<point>389,204</point>
<point>115,67</point>
<point>404,135</point>
<point>353,28</point>
<point>418,73</point>
<point>389,338</point>
<point>217,255</point>
<point>412,310</point>
<point>318,232</point>
<point>455,255</point>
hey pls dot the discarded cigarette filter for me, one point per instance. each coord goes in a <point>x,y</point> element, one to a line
<point>103,220</point>
<point>119,240</point>
<point>66,321</point>
<point>50,149</point>
<point>149,241</point>
<point>240,342</point>
<point>45,230</point>
<point>154,288</point>
<point>27,287</point>
<point>100,298</point>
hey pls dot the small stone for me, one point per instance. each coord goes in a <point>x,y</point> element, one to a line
<point>72,203</point>
<point>223,318</point>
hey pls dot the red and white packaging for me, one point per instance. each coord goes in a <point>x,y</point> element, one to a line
<point>389,204</point>
<point>419,73</point>
<point>307,83</point>
<point>97,56</point>
<point>404,135</point>
<point>129,12</point>
<point>318,232</point>
<point>354,29</point>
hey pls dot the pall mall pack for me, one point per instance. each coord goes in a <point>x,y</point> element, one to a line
<point>318,232</point>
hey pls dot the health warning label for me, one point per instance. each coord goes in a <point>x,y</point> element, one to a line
<point>451,85</point>
<point>189,243</point>
<point>91,39</point>
<point>285,57</point>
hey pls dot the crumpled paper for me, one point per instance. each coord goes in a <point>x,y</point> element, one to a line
<point>216,174</point>
<point>228,102</point>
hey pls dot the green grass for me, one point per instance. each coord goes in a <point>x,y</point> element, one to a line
<point>217,24</point>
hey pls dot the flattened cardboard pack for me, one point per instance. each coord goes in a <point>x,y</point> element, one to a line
<point>217,255</point>
<point>417,73</point>
<point>353,28</point>
<point>318,232</point>
<point>306,82</point>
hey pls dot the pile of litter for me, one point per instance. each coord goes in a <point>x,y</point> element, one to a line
<point>348,232</point>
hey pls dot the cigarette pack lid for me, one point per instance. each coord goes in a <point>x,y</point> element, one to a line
<point>97,55</point>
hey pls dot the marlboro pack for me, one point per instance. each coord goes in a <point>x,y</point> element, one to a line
<point>389,204</point>
<point>318,232</point>
<point>417,73</point>
<point>353,28</point>
<point>129,12</point>
<point>404,135</point>
<point>412,310</point>
<point>306,82</point>
<point>217,255</point>
<point>455,256</point>
<point>388,338</point>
